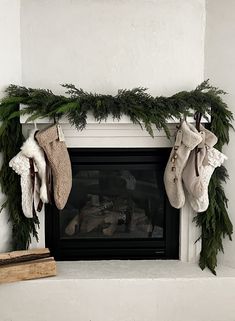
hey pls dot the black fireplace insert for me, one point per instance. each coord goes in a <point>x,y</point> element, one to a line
<point>117,208</point>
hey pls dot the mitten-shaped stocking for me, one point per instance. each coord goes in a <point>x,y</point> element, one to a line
<point>187,139</point>
<point>58,157</point>
<point>192,178</point>
<point>213,159</point>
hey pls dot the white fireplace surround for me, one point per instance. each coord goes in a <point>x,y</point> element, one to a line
<point>124,134</point>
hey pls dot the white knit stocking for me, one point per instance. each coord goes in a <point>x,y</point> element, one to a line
<point>214,159</point>
<point>187,139</point>
<point>192,174</point>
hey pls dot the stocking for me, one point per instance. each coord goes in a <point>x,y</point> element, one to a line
<point>187,139</point>
<point>58,157</point>
<point>31,149</point>
<point>213,159</point>
<point>29,193</point>
<point>192,177</point>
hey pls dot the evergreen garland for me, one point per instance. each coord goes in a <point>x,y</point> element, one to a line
<point>11,140</point>
<point>142,109</point>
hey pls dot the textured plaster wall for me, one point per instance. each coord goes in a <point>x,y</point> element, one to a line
<point>104,45</point>
<point>10,72</point>
<point>219,67</point>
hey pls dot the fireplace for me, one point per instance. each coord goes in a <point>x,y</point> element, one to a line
<point>121,135</point>
<point>117,207</point>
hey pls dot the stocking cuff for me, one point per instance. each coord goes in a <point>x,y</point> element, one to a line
<point>210,138</point>
<point>191,137</point>
<point>215,157</point>
<point>47,135</point>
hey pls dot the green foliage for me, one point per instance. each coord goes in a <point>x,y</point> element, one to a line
<point>142,109</point>
<point>11,140</point>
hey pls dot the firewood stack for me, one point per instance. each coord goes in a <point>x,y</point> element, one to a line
<point>26,265</point>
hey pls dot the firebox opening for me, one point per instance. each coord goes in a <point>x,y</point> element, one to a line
<point>117,208</point>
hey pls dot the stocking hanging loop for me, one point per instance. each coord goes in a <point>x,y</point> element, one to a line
<point>197,117</point>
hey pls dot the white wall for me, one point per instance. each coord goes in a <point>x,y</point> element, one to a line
<point>10,57</point>
<point>220,67</point>
<point>10,72</point>
<point>104,45</point>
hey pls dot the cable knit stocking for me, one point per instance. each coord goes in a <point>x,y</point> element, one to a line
<point>30,195</point>
<point>31,149</point>
<point>214,159</point>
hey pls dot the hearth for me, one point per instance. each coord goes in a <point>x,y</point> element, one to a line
<point>117,208</point>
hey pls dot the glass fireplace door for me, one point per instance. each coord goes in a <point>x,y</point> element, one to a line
<point>117,206</point>
<point>114,202</point>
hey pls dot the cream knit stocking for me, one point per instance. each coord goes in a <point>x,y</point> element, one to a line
<point>187,139</point>
<point>213,159</point>
<point>192,177</point>
<point>31,149</point>
<point>29,194</point>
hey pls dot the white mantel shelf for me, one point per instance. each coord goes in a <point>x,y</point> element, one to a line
<point>91,120</point>
<point>123,291</point>
<point>110,133</point>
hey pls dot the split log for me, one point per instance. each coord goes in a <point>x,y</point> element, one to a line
<point>28,270</point>
<point>23,256</point>
<point>72,226</point>
<point>112,220</point>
